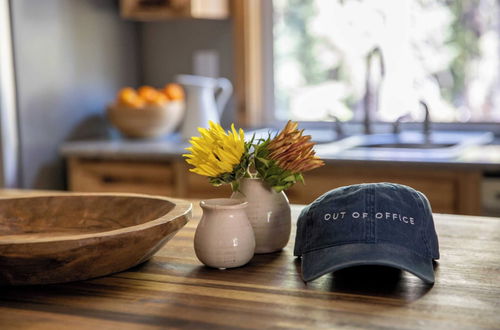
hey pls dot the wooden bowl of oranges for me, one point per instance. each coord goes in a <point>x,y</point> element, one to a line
<point>147,112</point>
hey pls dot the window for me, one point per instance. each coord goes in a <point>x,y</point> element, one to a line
<point>328,53</point>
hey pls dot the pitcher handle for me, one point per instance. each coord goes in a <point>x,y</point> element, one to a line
<point>226,90</point>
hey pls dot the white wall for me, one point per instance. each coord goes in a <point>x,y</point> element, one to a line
<point>167,49</point>
<point>70,58</point>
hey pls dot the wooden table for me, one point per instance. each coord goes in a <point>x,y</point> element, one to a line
<point>174,290</point>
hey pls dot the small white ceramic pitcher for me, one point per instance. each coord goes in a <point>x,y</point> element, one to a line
<point>224,237</point>
<point>202,104</point>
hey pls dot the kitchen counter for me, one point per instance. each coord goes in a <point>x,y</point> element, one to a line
<point>484,157</point>
<point>173,289</point>
<point>453,185</point>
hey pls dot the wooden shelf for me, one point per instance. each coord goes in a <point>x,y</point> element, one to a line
<point>157,10</point>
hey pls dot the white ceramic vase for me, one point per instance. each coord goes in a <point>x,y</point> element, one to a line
<point>269,214</point>
<point>224,237</point>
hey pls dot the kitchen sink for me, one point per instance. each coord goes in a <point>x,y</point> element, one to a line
<point>409,145</point>
<point>319,136</point>
<point>406,145</point>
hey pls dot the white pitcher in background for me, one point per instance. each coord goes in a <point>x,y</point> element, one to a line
<point>202,104</point>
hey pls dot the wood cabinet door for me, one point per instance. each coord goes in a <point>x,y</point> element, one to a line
<point>455,191</point>
<point>449,191</point>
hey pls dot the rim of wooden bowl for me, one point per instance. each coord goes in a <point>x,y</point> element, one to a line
<point>181,208</point>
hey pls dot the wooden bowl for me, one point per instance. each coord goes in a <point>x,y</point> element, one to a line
<point>147,122</point>
<point>71,237</point>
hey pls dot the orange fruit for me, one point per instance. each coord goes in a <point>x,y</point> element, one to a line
<point>174,91</point>
<point>148,93</point>
<point>126,93</point>
<point>159,100</point>
<point>136,103</point>
<point>128,97</point>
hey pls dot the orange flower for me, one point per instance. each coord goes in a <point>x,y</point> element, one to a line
<point>281,160</point>
<point>293,151</point>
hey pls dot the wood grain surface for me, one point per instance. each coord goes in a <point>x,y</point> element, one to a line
<point>174,290</point>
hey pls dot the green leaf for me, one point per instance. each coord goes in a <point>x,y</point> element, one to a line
<point>235,186</point>
<point>272,178</point>
<point>279,188</point>
<point>263,160</point>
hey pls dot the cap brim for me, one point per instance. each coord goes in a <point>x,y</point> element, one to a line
<point>323,261</point>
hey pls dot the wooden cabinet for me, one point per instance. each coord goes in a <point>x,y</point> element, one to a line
<point>450,190</point>
<point>155,10</point>
<point>168,178</point>
<point>139,177</point>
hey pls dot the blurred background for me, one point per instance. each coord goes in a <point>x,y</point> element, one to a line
<point>390,71</point>
<point>447,52</point>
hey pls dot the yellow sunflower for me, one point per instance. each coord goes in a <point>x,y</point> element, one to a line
<point>218,154</point>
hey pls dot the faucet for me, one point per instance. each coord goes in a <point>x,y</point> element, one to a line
<point>426,129</point>
<point>396,127</point>
<point>337,126</point>
<point>370,99</point>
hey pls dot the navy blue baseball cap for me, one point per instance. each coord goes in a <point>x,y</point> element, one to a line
<point>384,224</point>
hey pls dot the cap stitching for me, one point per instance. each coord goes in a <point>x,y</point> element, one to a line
<point>371,210</point>
<point>364,242</point>
<point>426,213</point>
<point>305,226</point>
<point>310,214</point>
<point>335,244</point>
<point>366,224</point>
